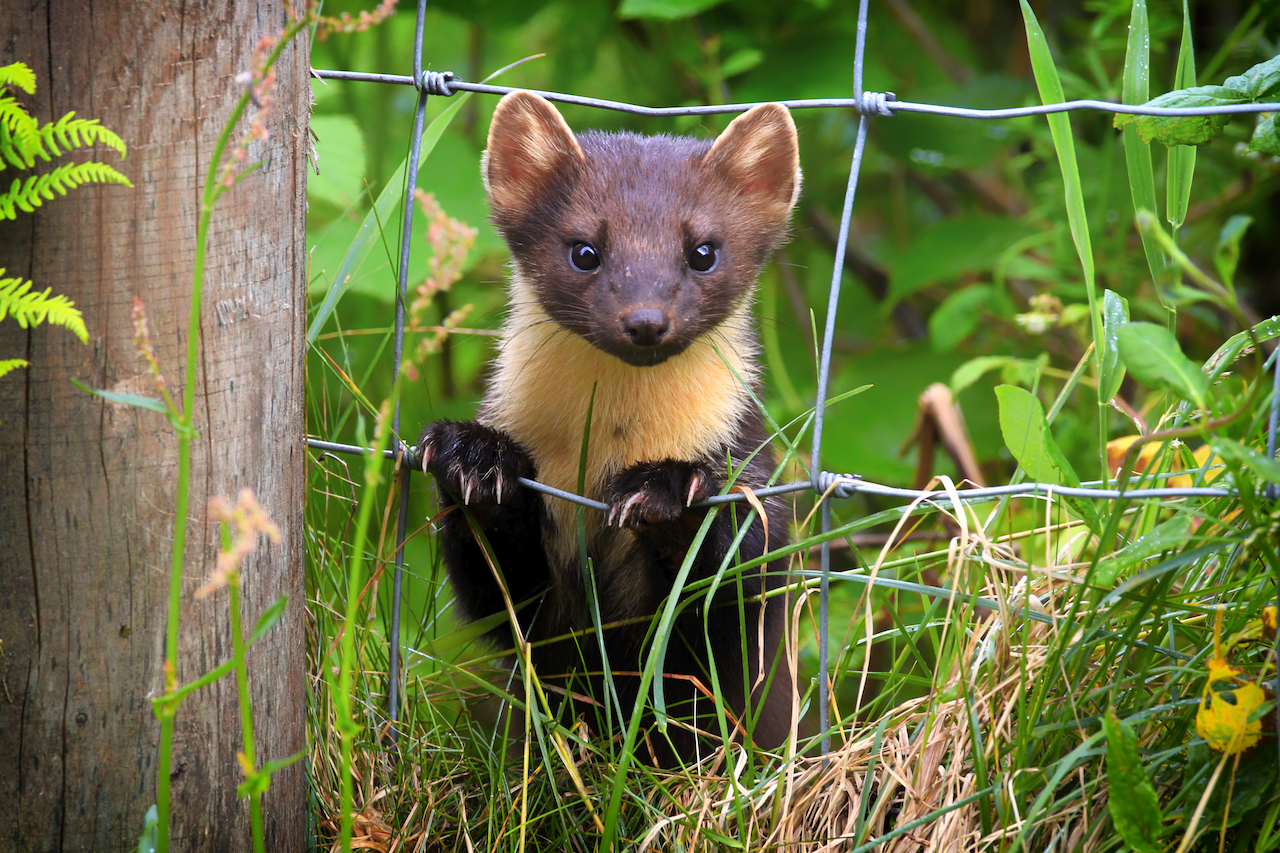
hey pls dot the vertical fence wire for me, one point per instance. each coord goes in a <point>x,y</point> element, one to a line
<point>824,375</point>
<point>402,297</point>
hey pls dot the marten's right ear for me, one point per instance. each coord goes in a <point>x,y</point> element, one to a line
<point>529,147</point>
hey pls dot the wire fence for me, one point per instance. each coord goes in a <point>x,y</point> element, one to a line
<point>823,483</point>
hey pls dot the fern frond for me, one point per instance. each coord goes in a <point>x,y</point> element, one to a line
<point>8,365</point>
<point>32,309</point>
<point>79,133</point>
<point>20,141</point>
<point>35,190</point>
<point>18,74</point>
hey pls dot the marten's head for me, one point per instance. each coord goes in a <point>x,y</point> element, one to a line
<point>639,244</point>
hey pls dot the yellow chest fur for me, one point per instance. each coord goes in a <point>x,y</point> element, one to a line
<point>687,407</point>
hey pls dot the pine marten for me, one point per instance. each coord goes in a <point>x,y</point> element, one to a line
<point>634,261</point>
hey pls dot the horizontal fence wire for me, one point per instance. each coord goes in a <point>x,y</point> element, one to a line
<point>880,103</point>
<point>866,104</point>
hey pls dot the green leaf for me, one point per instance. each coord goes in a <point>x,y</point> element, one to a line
<point>1026,434</point>
<point>268,618</point>
<point>1115,314</point>
<point>150,838</point>
<point>957,317</point>
<point>950,248</point>
<point>1182,158</point>
<point>1255,460</point>
<point>1137,154</point>
<point>33,308</point>
<point>340,160</point>
<point>1013,371</point>
<point>1227,253</point>
<point>1184,130</point>
<point>18,74</point>
<point>1265,137</point>
<point>1230,350</point>
<point>1258,82</point>
<point>741,61</point>
<point>382,213</point>
<point>664,10</point>
<point>1131,797</point>
<point>1167,536</point>
<point>153,403</point>
<point>1152,355</point>
<point>1050,86</point>
<point>8,365</point>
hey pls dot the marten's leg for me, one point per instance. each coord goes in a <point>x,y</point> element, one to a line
<point>477,468</point>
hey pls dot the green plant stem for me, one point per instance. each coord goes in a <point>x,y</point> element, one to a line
<point>185,430</point>
<point>348,728</point>
<point>246,710</point>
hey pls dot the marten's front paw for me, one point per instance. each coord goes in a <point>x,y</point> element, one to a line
<point>659,493</point>
<point>476,464</point>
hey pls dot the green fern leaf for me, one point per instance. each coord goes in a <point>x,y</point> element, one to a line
<point>8,365</point>
<point>18,74</point>
<point>32,309</point>
<point>72,133</point>
<point>20,139</point>
<point>37,189</point>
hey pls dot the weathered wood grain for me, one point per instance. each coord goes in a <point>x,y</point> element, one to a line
<point>87,488</point>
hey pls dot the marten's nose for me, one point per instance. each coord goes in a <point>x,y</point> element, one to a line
<point>646,327</point>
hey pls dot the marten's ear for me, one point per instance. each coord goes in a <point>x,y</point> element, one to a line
<point>760,155</point>
<point>529,147</point>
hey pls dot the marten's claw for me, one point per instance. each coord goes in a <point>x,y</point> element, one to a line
<point>475,464</point>
<point>658,493</point>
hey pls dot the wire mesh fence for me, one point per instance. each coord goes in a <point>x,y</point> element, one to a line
<point>824,484</point>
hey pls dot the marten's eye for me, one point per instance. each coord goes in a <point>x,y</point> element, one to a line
<point>703,257</point>
<point>584,257</point>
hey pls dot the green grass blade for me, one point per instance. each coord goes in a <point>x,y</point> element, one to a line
<point>383,210</point>
<point>1182,158</point>
<point>1137,154</point>
<point>1050,86</point>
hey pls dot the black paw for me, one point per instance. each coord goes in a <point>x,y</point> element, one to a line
<point>659,493</point>
<point>475,464</point>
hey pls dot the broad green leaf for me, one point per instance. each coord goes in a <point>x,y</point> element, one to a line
<point>1167,536</point>
<point>1182,158</point>
<point>741,61</point>
<point>340,161</point>
<point>950,248</point>
<point>664,10</point>
<point>1137,154</point>
<point>1255,460</point>
<point>1152,355</point>
<point>382,215</point>
<point>1050,86</point>
<point>1184,130</point>
<point>1013,371</point>
<point>153,403</point>
<point>1115,314</point>
<point>1131,797</point>
<point>1265,137</point>
<point>958,316</point>
<point>1258,82</point>
<point>1226,354</point>
<point>268,618</point>
<point>1026,434</point>
<point>1227,253</point>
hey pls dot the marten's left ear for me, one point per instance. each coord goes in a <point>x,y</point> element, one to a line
<point>759,154</point>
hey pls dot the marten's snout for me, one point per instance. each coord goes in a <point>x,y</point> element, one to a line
<point>645,327</point>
